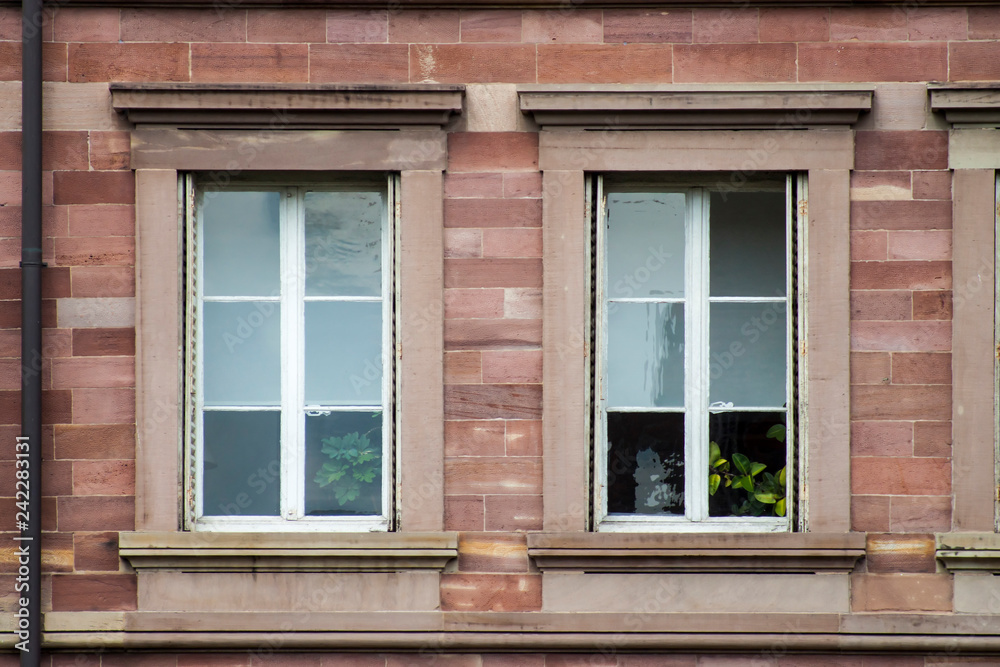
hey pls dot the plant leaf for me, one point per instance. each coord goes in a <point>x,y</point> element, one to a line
<point>779,507</point>
<point>756,468</point>
<point>781,477</point>
<point>768,498</point>
<point>742,463</point>
<point>713,484</point>
<point>714,453</point>
<point>777,432</point>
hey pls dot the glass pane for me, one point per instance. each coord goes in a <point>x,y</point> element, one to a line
<point>240,241</point>
<point>747,240</point>
<point>344,243</point>
<point>646,355</point>
<point>343,353</point>
<point>242,463</point>
<point>646,244</point>
<point>344,463</point>
<point>241,353</point>
<point>645,463</point>
<point>748,356</point>
<point>747,441</point>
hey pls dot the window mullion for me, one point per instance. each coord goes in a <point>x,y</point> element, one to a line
<point>196,372</point>
<point>601,343</point>
<point>292,357</point>
<point>696,450</point>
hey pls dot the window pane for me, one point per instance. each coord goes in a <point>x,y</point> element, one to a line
<point>242,463</point>
<point>343,353</point>
<point>344,243</point>
<point>746,434</point>
<point>646,244</point>
<point>241,353</point>
<point>645,463</point>
<point>747,238</point>
<point>240,240</point>
<point>646,354</point>
<point>748,356</point>
<point>344,463</point>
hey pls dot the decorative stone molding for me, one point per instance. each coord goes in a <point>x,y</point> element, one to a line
<point>967,104</point>
<point>692,552</point>
<point>288,552</point>
<point>678,107</point>
<point>287,106</point>
<point>969,551</point>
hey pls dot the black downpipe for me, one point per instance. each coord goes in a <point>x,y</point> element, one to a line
<point>30,543</point>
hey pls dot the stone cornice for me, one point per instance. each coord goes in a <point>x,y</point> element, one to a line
<point>288,552</point>
<point>662,552</point>
<point>733,106</point>
<point>287,106</point>
<point>967,105</point>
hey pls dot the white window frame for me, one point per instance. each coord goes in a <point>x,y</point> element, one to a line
<point>292,302</point>
<point>696,363</point>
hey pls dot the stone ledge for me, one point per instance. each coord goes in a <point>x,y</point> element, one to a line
<point>737,106</point>
<point>662,552</point>
<point>967,105</point>
<point>288,552</point>
<point>287,106</point>
<point>521,631</point>
<point>969,551</point>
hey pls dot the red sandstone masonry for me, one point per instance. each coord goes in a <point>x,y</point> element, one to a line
<point>737,24</point>
<point>473,303</point>
<point>464,513</point>
<point>101,342</point>
<point>870,368</point>
<point>974,61</point>
<point>901,336</point>
<point>901,402</point>
<point>128,62</point>
<point>870,24</point>
<point>921,368</point>
<point>799,24</point>
<point>938,23</point>
<point>95,552</point>
<point>870,513</point>
<point>113,441</point>
<point>901,214</point>
<point>604,63</point>
<point>869,245</point>
<point>984,23</point>
<point>513,512</point>
<point>910,149</point>
<point>900,476</point>
<point>463,367</point>
<point>474,438</point>
<point>100,220</point>
<point>493,475</point>
<point>483,333</point>
<point>920,514</point>
<point>493,401</point>
<point>492,151</point>
<point>524,437</point>
<point>873,61</point>
<point>86,24</point>
<point>103,281</point>
<point>489,186</point>
<point>463,243</point>
<point>96,513</point>
<point>356,25</point>
<point>920,245</point>
<point>94,592</point>
<point>512,243</point>
<point>555,26</point>
<point>931,438</point>
<point>286,25</point>
<point>110,150</point>
<point>881,439</point>
<point>491,592</point>
<point>932,305</point>
<point>472,63</point>
<point>719,63</point>
<point>91,251</point>
<point>287,63</point>
<point>70,373</point>
<point>94,187</point>
<point>932,185</point>
<point>104,478</point>
<point>492,273</point>
<point>491,25</point>
<point>420,26</point>
<point>490,552</point>
<point>191,25</point>
<point>512,366</point>
<point>900,275</point>
<point>492,213</point>
<point>881,305</point>
<point>54,58</point>
<point>651,26</point>
<point>350,63</point>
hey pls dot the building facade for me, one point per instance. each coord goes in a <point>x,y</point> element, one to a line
<point>483,334</point>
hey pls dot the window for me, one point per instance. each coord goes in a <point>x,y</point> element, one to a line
<point>699,132</point>
<point>289,350</point>
<point>694,315</point>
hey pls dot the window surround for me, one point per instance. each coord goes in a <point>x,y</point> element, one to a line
<point>974,157</point>
<point>230,129</point>
<point>791,129</point>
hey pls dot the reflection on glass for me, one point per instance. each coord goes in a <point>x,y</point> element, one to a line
<point>747,239</point>
<point>746,434</point>
<point>646,354</point>
<point>343,353</point>
<point>645,240</point>
<point>645,463</point>
<point>344,463</point>
<point>747,354</point>
<point>241,463</point>
<point>240,241</point>
<point>242,344</point>
<point>344,243</point>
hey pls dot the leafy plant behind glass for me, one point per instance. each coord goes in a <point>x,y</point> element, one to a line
<point>762,487</point>
<point>354,464</point>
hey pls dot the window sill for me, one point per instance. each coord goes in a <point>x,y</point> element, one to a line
<point>677,552</point>
<point>965,552</point>
<point>288,552</point>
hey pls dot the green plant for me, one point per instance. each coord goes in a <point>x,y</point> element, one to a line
<point>354,465</point>
<point>762,488</point>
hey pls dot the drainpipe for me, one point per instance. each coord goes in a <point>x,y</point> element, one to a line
<point>30,541</point>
